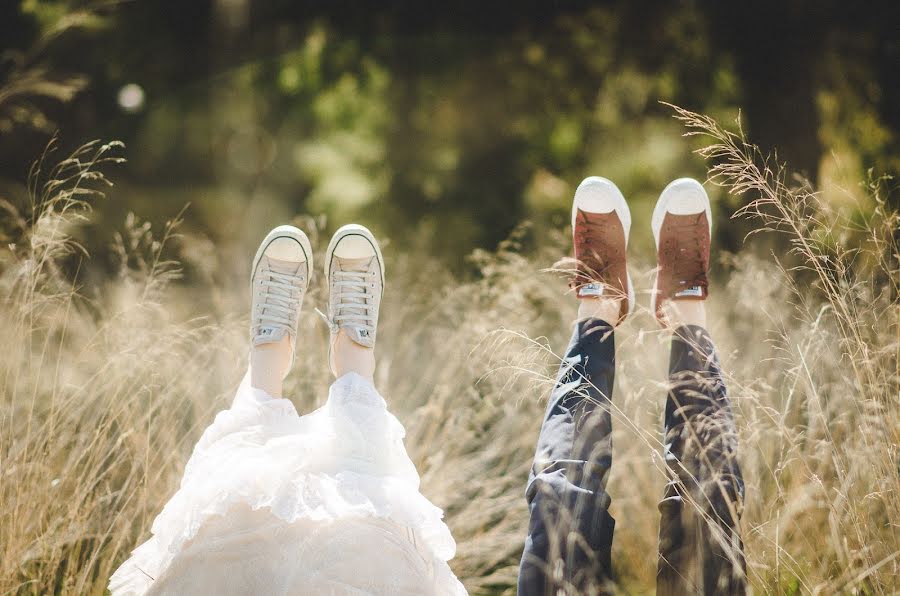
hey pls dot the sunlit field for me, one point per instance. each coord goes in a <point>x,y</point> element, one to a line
<point>108,382</point>
<point>457,133</point>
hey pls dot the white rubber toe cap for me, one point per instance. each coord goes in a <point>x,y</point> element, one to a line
<point>285,249</point>
<point>685,196</point>
<point>284,243</point>
<point>353,241</point>
<point>681,197</point>
<point>354,246</point>
<point>599,195</point>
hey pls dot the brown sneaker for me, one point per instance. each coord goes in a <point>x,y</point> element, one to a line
<point>601,222</point>
<point>682,226</point>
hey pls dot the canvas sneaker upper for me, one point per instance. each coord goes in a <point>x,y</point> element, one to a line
<point>601,222</point>
<point>682,229</point>
<point>279,280</point>
<point>355,272</point>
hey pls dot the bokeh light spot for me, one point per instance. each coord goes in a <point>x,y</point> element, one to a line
<point>131,98</point>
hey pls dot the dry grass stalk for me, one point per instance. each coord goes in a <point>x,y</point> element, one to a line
<point>106,387</point>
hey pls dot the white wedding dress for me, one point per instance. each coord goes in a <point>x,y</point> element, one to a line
<point>276,503</point>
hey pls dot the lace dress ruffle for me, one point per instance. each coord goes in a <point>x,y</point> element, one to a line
<point>340,467</point>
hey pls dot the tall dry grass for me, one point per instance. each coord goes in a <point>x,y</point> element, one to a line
<point>105,387</point>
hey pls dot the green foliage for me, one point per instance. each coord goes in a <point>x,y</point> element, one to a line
<point>445,131</point>
<point>444,138</point>
<point>28,76</point>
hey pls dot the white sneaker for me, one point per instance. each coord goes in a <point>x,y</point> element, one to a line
<point>354,268</point>
<point>278,283</point>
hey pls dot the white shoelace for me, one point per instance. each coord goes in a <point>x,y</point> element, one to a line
<point>280,301</point>
<point>351,308</point>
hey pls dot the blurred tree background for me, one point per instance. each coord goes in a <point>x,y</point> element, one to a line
<point>442,126</point>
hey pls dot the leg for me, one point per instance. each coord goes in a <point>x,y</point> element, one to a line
<point>279,280</point>
<point>570,530</point>
<point>349,356</point>
<point>354,268</point>
<point>700,548</point>
<point>269,364</point>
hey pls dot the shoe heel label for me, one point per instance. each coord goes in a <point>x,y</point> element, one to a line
<point>695,291</point>
<point>590,290</point>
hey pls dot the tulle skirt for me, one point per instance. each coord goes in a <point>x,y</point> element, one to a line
<point>276,503</point>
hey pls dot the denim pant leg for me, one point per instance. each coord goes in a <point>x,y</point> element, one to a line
<point>700,547</point>
<point>570,531</point>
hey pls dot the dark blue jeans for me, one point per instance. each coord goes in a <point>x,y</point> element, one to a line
<point>570,532</point>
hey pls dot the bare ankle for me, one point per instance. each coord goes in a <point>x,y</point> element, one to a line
<point>269,365</point>
<point>348,356</point>
<point>685,312</point>
<point>606,309</point>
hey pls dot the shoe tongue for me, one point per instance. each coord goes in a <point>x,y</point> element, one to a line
<point>361,264</point>
<point>353,327</point>
<point>269,333</point>
<point>285,267</point>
